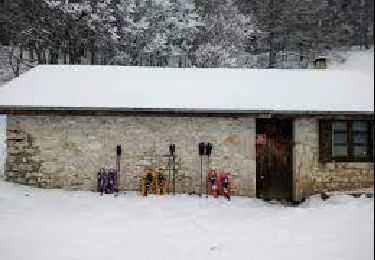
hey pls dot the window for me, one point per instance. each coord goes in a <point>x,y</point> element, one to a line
<point>346,140</point>
<point>360,136</point>
<point>340,139</point>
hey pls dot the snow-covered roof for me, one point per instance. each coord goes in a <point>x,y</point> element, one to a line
<point>321,57</point>
<point>236,90</point>
<point>357,60</point>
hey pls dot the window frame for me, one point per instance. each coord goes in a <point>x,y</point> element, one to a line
<point>350,143</point>
<point>340,131</point>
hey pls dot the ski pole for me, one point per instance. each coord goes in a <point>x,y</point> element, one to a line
<point>201,175</point>
<point>208,168</point>
<point>174,175</point>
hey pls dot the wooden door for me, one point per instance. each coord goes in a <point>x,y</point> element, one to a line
<point>274,159</point>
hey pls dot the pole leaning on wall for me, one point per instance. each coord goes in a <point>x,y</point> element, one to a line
<point>172,150</point>
<point>118,169</point>
<point>201,150</point>
<point>208,153</point>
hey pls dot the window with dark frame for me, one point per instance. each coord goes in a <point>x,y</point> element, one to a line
<point>350,139</point>
<point>340,139</point>
<point>360,138</point>
<point>346,140</point>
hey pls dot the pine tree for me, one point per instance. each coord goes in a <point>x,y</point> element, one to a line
<point>223,37</point>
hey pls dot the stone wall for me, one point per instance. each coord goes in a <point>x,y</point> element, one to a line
<point>312,176</point>
<point>66,151</point>
<point>343,176</point>
<point>305,156</point>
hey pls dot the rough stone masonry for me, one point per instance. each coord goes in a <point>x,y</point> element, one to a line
<point>67,151</point>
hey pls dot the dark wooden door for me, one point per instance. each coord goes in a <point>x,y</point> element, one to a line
<point>274,159</point>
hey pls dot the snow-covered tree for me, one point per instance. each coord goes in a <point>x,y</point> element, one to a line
<point>214,33</point>
<point>167,28</point>
<point>224,34</point>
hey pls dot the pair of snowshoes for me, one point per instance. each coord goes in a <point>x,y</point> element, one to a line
<point>153,182</point>
<point>225,185</point>
<point>147,184</point>
<point>106,181</point>
<point>218,183</point>
<point>161,185</point>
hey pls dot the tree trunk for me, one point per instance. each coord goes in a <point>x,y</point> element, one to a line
<point>20,58</point>
<point>301,57</point>
<point>92,58</point>
<point>39,56</point>
<point>31,55</point>
<point>272,55</point>
<point>64,55</point>
<point>367,24</point>
<point>15,67</point>
<point>44,56</point>
<point>54,56</point>
<point>50,56</point>
<point>71,57</point>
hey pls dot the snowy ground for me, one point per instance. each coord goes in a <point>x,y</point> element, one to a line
<point>52,224</point>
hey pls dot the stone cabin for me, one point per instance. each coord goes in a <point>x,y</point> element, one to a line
<point>281,134</point>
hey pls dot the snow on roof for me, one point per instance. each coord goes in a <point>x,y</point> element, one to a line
<point>122,87</point>
<point>361,60</point>
<point>321,57</point>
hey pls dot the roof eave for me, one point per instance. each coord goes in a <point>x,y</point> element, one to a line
<point>81,110</point>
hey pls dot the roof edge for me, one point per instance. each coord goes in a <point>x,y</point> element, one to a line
<point>20,109</point>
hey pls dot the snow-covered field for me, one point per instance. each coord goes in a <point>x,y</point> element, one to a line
<point>54,224</point>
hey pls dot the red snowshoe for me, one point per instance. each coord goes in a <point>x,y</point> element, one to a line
<point>225,184</point>
<point>212,182</point>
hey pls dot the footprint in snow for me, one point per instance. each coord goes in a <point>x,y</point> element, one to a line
<point>214,248</point>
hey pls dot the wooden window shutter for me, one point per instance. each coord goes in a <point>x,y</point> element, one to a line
<point>325,141</point>
<point>370,140</point>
